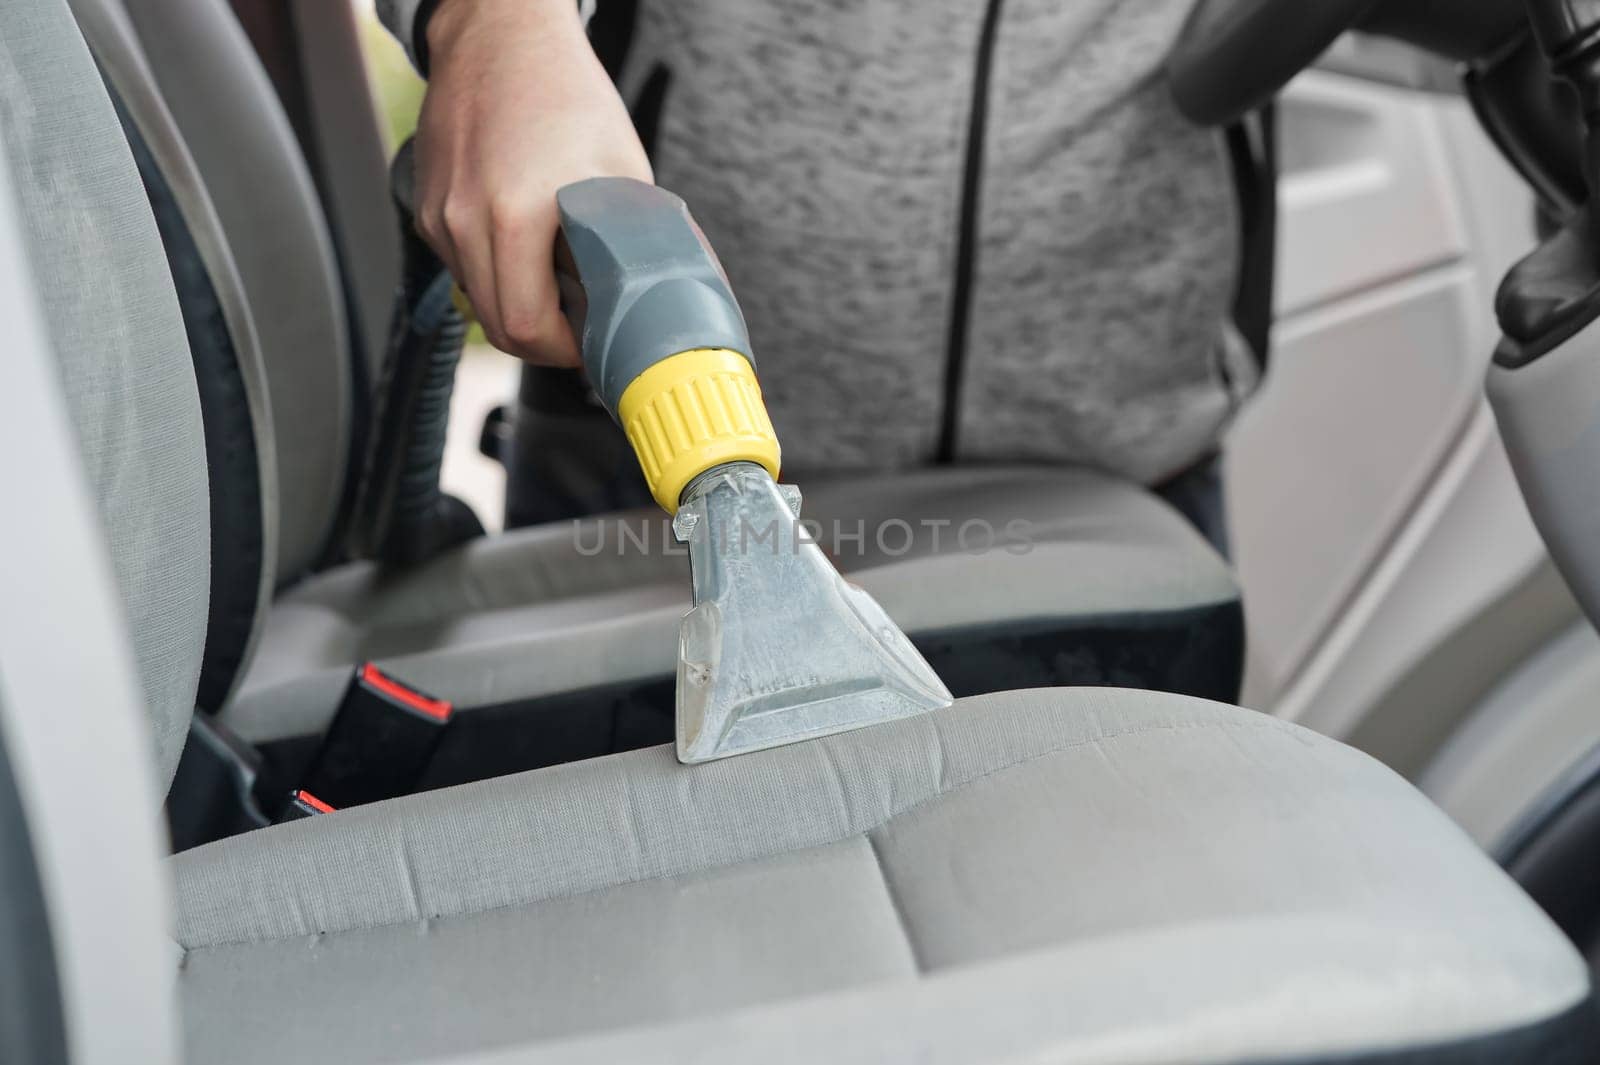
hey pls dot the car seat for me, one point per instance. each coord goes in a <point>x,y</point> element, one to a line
<point>1089,875</point>
<point>1115,588</point>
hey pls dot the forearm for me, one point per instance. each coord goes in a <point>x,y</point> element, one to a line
<point>410,21</point>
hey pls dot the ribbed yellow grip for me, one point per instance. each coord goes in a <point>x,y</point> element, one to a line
<point>692,411</point>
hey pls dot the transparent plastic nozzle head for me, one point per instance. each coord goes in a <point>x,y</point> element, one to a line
<point>778,647</point>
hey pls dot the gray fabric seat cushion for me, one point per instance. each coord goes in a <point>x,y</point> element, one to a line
<point>560,608</point>
<point>1066,875</point>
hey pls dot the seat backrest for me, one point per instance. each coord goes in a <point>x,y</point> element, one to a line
<point>235,128</point>
<point>229,369</point>
<point>101,453</point>
<point>118,337</point>
<point>253,267</point>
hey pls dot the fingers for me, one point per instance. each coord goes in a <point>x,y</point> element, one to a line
<point>470,232</point>
<point>431,194</point>
<point>523,240</point>
<point>503,258</point>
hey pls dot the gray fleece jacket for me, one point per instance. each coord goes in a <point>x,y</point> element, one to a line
<point>960,230</point>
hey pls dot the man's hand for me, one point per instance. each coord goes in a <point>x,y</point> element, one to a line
<point>517,106</point>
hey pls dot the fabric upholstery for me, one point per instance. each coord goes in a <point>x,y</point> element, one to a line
<point>1033,857</point>
<point>1143,873</point>
<point>71,705</point>
<point>526,617</point>
<point>224,345</point>
<point>234,126</point>
<point>108,300</point>
<point>559,608</point>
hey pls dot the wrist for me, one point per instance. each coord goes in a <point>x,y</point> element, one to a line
<point>440,24</point>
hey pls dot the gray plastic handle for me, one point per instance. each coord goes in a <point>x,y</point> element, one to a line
<point>652,285</point>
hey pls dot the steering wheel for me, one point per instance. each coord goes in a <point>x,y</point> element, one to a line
<point>1235,54</point>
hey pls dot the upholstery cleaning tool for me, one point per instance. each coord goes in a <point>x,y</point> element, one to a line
<point>777,647</point>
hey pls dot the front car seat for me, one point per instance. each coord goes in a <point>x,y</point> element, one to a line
<point>1121,590</point>
<point>1088,875</point>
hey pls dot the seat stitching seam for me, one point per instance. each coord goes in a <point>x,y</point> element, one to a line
<point>1266,722</point>
<point>902,920</point>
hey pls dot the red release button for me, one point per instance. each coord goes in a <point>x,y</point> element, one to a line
<point>438,709</point>
<point>312,801</point>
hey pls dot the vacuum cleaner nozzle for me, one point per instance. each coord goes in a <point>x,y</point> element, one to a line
<point>777,648</point>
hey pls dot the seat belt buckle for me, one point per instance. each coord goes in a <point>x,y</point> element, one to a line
<point>301,805</point>
<point>380,742</point>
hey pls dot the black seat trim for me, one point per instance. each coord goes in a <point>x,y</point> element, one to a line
<point>238,544</point>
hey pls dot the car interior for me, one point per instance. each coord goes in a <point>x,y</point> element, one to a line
<point>1332,795</point>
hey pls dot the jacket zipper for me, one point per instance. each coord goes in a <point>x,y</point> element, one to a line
<point>967,237</point>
